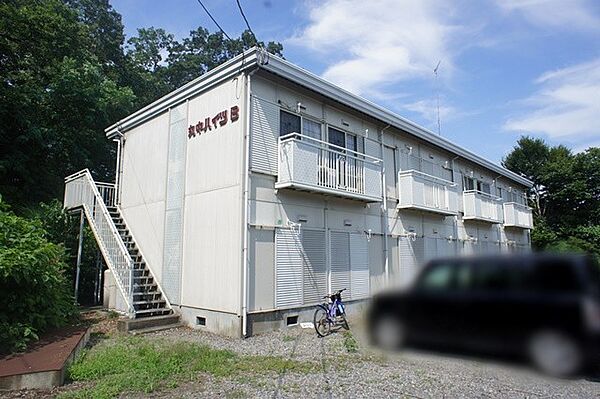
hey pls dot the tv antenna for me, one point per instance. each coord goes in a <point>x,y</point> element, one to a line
<point>437,83</point>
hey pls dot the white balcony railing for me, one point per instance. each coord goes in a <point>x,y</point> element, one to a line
<point>309,164</point>
<point>424,192</point>
<point>517,215</point>
<point>482,206</point>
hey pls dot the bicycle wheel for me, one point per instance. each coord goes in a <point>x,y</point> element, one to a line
<point>344,323</point>
<point>321,322</point>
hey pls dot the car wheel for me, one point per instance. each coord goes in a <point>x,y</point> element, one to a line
<point>388,332</point>
<point>555,353</point>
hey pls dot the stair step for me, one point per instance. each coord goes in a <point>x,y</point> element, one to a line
<point>149,330</point>
<point>150,302</point>
<point>146,296</point>
<point>149,321</point>
<point>146,313</point>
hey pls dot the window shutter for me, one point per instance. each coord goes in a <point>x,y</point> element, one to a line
<point>359,266</point>
<point>288,268</point>
<point>264,136</point>
<point>411,258</point>
<point>314,266</point>
<point>340,262</point>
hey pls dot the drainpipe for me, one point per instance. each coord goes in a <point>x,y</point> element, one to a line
<point>384,213</point>
<point>119,141</point>
<point>456,249</point>
<point>245,209</point>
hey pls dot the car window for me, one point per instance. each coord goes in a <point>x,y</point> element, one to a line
<point>437,278</point>
<point>491,276</point>
<point>556,276</point>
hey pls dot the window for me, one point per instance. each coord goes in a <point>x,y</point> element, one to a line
<point>311,128</point>
<point>468,183</point>
<point>337,137</point>
<point>437,278</point>
<point>484,187</point>
<point>288,123</point>
<point>345,140</point>
<point>499,192</point>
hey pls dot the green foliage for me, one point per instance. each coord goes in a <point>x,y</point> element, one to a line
<point>136,364</point>
<point>565,196</point>
<point>34,291</point>
<point>66,75</point>
<point>350,342</point>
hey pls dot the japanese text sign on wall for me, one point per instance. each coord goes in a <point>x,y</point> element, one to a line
<point>220,119</point>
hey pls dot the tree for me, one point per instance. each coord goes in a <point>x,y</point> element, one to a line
<point>565,195</point>
<point>56,101</point>
<point>34,290</point>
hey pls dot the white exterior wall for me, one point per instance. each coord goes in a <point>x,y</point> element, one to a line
<point>143,187</point>
<point>212,204</point>
<point>435,234</point>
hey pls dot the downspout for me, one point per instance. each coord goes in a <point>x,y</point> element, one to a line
<point>455,227</point>
<point>500,225</point>
<point>118,170</point>
<point>245,210</point>
<point>384,212</point>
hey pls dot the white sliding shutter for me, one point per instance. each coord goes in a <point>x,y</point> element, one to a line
<point>314,266</point>
<point>359,266</point>
<point>288,268</point>
<point>340,262</point>
<point>264,136</point>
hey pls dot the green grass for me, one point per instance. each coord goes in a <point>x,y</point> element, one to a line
<point>137,364</point>
<point>350,342</point>
<point>288,338</point>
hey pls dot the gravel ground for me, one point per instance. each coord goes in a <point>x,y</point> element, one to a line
<point>365,373</point>
<point>368,373</point>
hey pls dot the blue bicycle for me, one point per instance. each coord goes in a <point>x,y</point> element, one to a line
<point>331,314</point>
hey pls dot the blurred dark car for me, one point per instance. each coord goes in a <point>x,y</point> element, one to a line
<point>546,307</point>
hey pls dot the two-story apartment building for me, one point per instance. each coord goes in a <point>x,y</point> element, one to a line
<point>246,195</point>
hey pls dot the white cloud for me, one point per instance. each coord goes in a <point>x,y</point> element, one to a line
<point>428,111</point>
<point>573,14</point>
<point>566,107</point>
<point>374,43</point>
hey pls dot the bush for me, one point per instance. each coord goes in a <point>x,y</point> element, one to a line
<point>34,291</point>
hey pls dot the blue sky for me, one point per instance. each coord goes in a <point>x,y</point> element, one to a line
<point>508,67</point>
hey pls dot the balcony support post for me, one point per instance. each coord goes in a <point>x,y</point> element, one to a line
<point>79,254</point>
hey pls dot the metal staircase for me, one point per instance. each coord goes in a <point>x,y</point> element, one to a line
<point>140,290</point>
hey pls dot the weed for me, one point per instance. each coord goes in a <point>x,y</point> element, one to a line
<point>112,314</point>
<point>350,342</point>
<point>288,338</point>
<point>136,364</point>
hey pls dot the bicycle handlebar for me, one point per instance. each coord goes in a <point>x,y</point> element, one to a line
<point>335,293</point>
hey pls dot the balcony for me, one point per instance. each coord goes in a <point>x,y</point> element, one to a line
<point>482,207</point>
<point>517,215</point>
<point>313,165</point>
<point>424,192</point>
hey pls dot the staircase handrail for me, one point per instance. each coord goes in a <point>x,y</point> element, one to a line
<point>127,292</point>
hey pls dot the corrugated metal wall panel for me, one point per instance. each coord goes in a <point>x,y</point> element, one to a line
<point>340,262</point>
<point>314,265</point>
<point>359,266</point>
<point>172,253</point>
<point>288,268</point>
<point>264,136</point>
<point>373,148</point>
